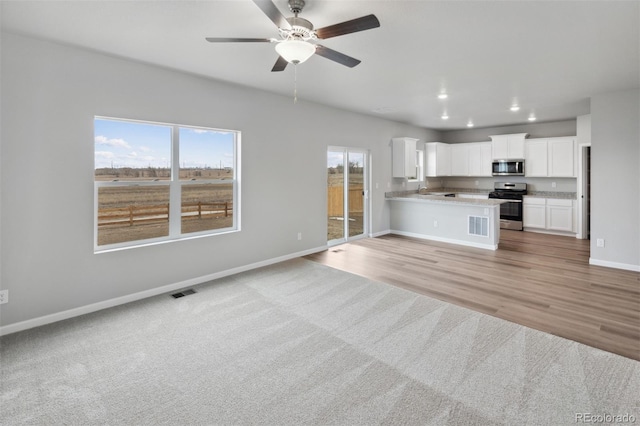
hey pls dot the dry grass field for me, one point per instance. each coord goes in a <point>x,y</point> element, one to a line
<point>140,212</point>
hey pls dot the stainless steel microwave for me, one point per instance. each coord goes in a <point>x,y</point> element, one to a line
<point>507,167</point>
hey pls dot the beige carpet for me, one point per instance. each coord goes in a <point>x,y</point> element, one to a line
<point>299,343</point>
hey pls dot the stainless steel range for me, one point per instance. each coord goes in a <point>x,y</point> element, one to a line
<point>510,212</point>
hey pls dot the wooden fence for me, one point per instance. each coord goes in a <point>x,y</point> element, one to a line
<point>335,200</point>
<point>133,215</point>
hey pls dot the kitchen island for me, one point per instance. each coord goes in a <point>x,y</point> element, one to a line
<point>466,221</point>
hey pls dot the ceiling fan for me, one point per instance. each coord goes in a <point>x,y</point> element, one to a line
<point>297,34</point>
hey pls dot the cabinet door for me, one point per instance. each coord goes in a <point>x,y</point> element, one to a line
<point>535,156</point>
<point>460,159</point>
<point>443,166</point>
<point>485,155</point>
<point>480,159</point>
<point>438,156</point>
<point>534,213</point>
<point>561,153</point>
<point>560,215</point>
<point>500,148</point>
<point>404,157</point>
<point>516,147</point>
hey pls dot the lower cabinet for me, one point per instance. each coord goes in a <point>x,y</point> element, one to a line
<point>550,214</point>
<point>560,215</point>
<point>534,213</point>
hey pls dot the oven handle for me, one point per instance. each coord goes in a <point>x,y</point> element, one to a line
<point>509,201</point>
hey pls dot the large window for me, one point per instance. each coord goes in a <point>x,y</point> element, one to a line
<point>158,182</point>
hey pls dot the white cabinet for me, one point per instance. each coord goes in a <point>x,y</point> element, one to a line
<point>480,158</point>
<point>550,214</point>
<point>551,157</point>
<point>438,156</point>
<point>404,158</point>
<point>460,159</point>
<point>562,157</point>
<point>560,215</point>
<point>535,158</point>
<point>534,213</point>
<point>508,146</point>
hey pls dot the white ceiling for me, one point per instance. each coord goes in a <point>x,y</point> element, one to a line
<point>548,56</point>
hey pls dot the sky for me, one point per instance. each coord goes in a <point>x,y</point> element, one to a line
<point>335,158</point>
<point>138,145</point>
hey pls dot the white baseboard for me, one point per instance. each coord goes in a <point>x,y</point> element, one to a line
<point>446,240</point>
<point>616,265</point>
<point>71,313</point>
<point>551,232</point>
<point>380,234</point>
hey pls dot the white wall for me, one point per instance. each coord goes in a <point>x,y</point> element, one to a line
<point>615,178</point>
<point>535,130</point>
<point>50,94</point>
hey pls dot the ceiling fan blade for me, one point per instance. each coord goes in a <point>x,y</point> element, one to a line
<point>280,64</point>
<point>273,13</point>
<point>359,24</point>
<point>241,40</point>
<point>338,57</point>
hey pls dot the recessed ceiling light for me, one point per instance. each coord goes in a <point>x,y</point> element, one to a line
<point>470,124</point>
<point>532,118</point>
<point>445,116</point>
<point>443,96</point>
<point>515,108</point>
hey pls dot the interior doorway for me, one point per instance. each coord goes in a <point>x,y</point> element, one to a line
<point>584,191</point>
<point>347,189</point>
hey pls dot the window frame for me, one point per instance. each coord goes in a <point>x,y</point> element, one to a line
<point>419,166</point>
<point>175,184</point>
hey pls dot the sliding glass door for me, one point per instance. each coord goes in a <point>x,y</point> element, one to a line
<point>346,194</point>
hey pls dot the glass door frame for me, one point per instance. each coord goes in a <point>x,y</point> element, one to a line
<point>365,201</point>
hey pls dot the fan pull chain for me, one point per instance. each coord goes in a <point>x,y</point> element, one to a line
<point>295,83</point>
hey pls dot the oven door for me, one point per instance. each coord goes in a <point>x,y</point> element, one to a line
<point>511,215</point>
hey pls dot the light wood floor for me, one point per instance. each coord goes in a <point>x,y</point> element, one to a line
<point>540,281</point>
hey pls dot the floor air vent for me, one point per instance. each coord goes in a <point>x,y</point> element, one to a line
<point>183,293</point>
<point>479,225</point>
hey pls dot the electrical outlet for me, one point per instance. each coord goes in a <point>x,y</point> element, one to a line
<point>376,185</point>
<point>477,183</point>
<point>435,223</point>
<point>553,184</point>
<point>299,236</point>
<point>600,242</point>
<point>4,296</point>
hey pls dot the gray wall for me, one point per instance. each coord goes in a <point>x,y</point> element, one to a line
<point>535,130</point>
<point>50,94</point>
<point>615,175</point>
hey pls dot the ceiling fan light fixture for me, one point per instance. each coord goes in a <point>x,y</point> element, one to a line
<point>295,51</point>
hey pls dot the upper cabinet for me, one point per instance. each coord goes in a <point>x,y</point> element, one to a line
<point>508,146</point>
<point>535,158</point>
<point>460,159</point>
<point>404,158</point>
<point>438,157</point>
<point>551,157</point>
<point>480,156</point>
<point>561,154</point>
